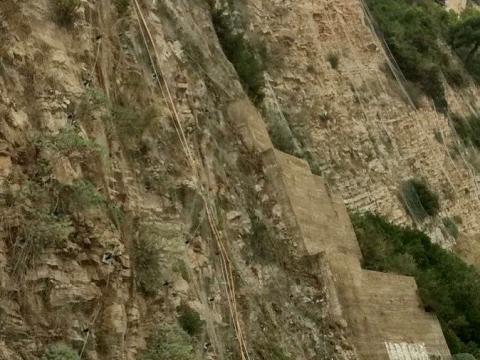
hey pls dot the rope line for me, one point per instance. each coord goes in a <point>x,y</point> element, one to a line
<point>226,266</point>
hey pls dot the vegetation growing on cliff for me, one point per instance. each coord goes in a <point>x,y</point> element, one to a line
<point>246,56</point>
<point>423,36</point>
<point>447,285</point>
<point>419,200</point>
<point>169,342</point>
<point>60,352</point>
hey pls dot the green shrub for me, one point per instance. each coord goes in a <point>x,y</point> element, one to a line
<point>468,129</point>
<point>447,285</point>
<point>269,348</point>
<point>131,122</point>
<point>463,356</point>
<point>282,137</point>
<point>65,11</point>
<point>418,199</point>
<point>246,57</point>
<point>122,6</point>
<point>81,195</point>
<point>60,352</point>
<point>148,260</point>
<point>169,343</point>
<point>417,33</point>
<point>189,320</point>
<point>68,141</point>
<point>38,229</point>
<point>450,226</point>
<point>334,60</point>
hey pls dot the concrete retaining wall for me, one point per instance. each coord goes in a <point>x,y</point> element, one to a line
<point>383,312</point>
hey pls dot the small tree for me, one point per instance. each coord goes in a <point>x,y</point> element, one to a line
<point>189,320</point>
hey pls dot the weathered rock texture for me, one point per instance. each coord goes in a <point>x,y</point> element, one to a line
<point>85,81</point>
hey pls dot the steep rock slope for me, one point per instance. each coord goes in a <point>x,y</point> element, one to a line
<point>129,204</point>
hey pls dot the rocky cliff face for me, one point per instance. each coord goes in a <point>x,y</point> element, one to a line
<point>129,201</point>
<point>131,204</point>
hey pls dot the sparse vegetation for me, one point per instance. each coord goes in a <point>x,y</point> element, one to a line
<point>60,352</point>
<point>122,6</point>
<point>169,342</point>
<point>81,195</point>
<point>68,141</point>
<point>130,122</point>
<point>148,260</point>
<point>65,11</point>
<point>247,57</point>
<point>260,241</point>
<point>419,200</point>
<point>34,226</point>
<point>463,356</point>
<point>282,137</point>
<point>451,227</point>
<point>189,320</point>
<point>334,60</point>
<point>447,286</point>
<point>468,129</point>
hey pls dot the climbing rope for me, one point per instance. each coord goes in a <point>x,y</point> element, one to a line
<point>226,265</point>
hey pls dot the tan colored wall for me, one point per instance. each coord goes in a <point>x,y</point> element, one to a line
<point>383,311</point>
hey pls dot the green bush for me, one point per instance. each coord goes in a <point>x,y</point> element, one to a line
<point>148,260</point>
<point>282,137</point>
<point>451,227</point>
<point>131,122</point>
<point>418,199</point>
<point>40,230</point>
<point>447,285</point>
<point>463,356</point>
<point>122,6</point>
<point>468,129</point>
<point>68,141</point>
<point>334,60</point>
<point>81,195</point>
<point>246,57</point>
<point>169,343</point>
<point>60,352</point>
<point>65,11</point>
<point>189,320</point>
<point>417,34</point>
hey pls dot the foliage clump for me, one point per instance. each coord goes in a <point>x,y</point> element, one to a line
<point>148,260</point>
<point>334,60</point>
<point>247,57</point>
<point>419,200</point>
<point>447,285</point>
<point>67,142</point>
<point>60,352</point>
<point>34,226</point>
<point>169,342</point>
<point>189,320</point>
<point>468,129</point>
<point>418,35</point>
<point>65,11</point>
<point>451,227</point>
<point>122,6</point>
